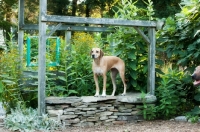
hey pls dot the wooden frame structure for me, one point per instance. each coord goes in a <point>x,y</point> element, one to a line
<point>42,27</point>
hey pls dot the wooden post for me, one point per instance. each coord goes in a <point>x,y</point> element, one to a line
<point>112,43</point>
<point>20,31</point>
<point>68,35</point>
<point>151,62</point>
<point>42,58</point>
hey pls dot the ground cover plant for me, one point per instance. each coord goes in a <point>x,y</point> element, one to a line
<point>27,119</point>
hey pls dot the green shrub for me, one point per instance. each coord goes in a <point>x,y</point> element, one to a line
<point>147,110</point>
<point>130,46</point>
<point>194,114</point>
<point>171,94</point>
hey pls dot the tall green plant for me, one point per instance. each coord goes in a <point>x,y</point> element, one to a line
<point>76,76</point>
<point>171,94</point>
<point>10,76</point>
<point>179,41</point>
<point>130,46</point>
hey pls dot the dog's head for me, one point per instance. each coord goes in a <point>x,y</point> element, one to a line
<point>196,76</point>
<point>96,53</point>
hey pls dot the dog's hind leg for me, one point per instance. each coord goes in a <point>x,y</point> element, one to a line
<point>121,73</point>
<point>113,75</point>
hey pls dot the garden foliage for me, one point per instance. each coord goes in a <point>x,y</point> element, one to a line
<point>179,42</point>
<point>10,76</point>
<point>180,36</point>
<point>76,75</point>
<point>177,45</point>
<point>27,120</point>
<point>130,46</point>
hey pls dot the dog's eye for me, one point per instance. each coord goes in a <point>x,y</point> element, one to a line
<point>97,51</point>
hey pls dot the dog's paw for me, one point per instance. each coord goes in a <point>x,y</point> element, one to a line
<point>112,95</point>
<point>123,94</point>
<point>103,95</point>
<point>96,95</point>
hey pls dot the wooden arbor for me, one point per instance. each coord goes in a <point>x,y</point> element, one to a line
<point>44,18</point>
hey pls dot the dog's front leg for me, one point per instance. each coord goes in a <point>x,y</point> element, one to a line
<point>97,85</point>
<point>104,85</point>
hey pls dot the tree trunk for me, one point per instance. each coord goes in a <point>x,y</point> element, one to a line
<point>74,7</point>
<point>87,12</point>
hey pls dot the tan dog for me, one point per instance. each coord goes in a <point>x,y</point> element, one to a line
<point>101,64</point>
<point>196,76</point>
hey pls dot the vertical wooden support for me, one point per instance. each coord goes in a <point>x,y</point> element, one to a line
<point>112,43</point>
<point>151,62</point>
<point>68,35</point>
<point>42,58</point>
<point>20,31</point>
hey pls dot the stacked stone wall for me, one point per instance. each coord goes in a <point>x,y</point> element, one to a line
<point>90,111</point>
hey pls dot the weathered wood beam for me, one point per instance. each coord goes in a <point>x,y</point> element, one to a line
<point>21,35</point>
<point>21,32</point>
<point>42,60</point>
<point>146,39</point>
<point>97,21</point>
<point>54,29</point>
<point>69,28</point>
<point>151,62</point>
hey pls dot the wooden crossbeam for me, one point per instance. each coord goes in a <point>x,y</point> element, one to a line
<point>68,28</point>
<point>97,21</point>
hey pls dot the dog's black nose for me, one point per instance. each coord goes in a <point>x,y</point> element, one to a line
<point>193,76</point>
<point>93,56</point>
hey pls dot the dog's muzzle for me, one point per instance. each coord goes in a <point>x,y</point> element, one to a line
<point>196,80</point>
<point>93,56</point>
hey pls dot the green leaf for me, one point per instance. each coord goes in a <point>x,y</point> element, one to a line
<point>196,110</point>
<point>117,53</point>
<point>1,87</point>
<point>72,92</point>
<point>9,82</point>
<point>133,83</point>
<point>62,78</point>
<point>132,55</point>
<point>132,65</point>
<point>197,97</point>
<point>60,88</point>
<point>145,68</point>
<point>133,75</point>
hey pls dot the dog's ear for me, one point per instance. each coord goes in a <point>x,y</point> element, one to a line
<point>101,53</point>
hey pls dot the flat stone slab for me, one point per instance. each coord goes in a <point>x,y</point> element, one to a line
<point>92,99</point>
<point>136,98</point>
<point>128,98</point>
<point>62,100</point>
